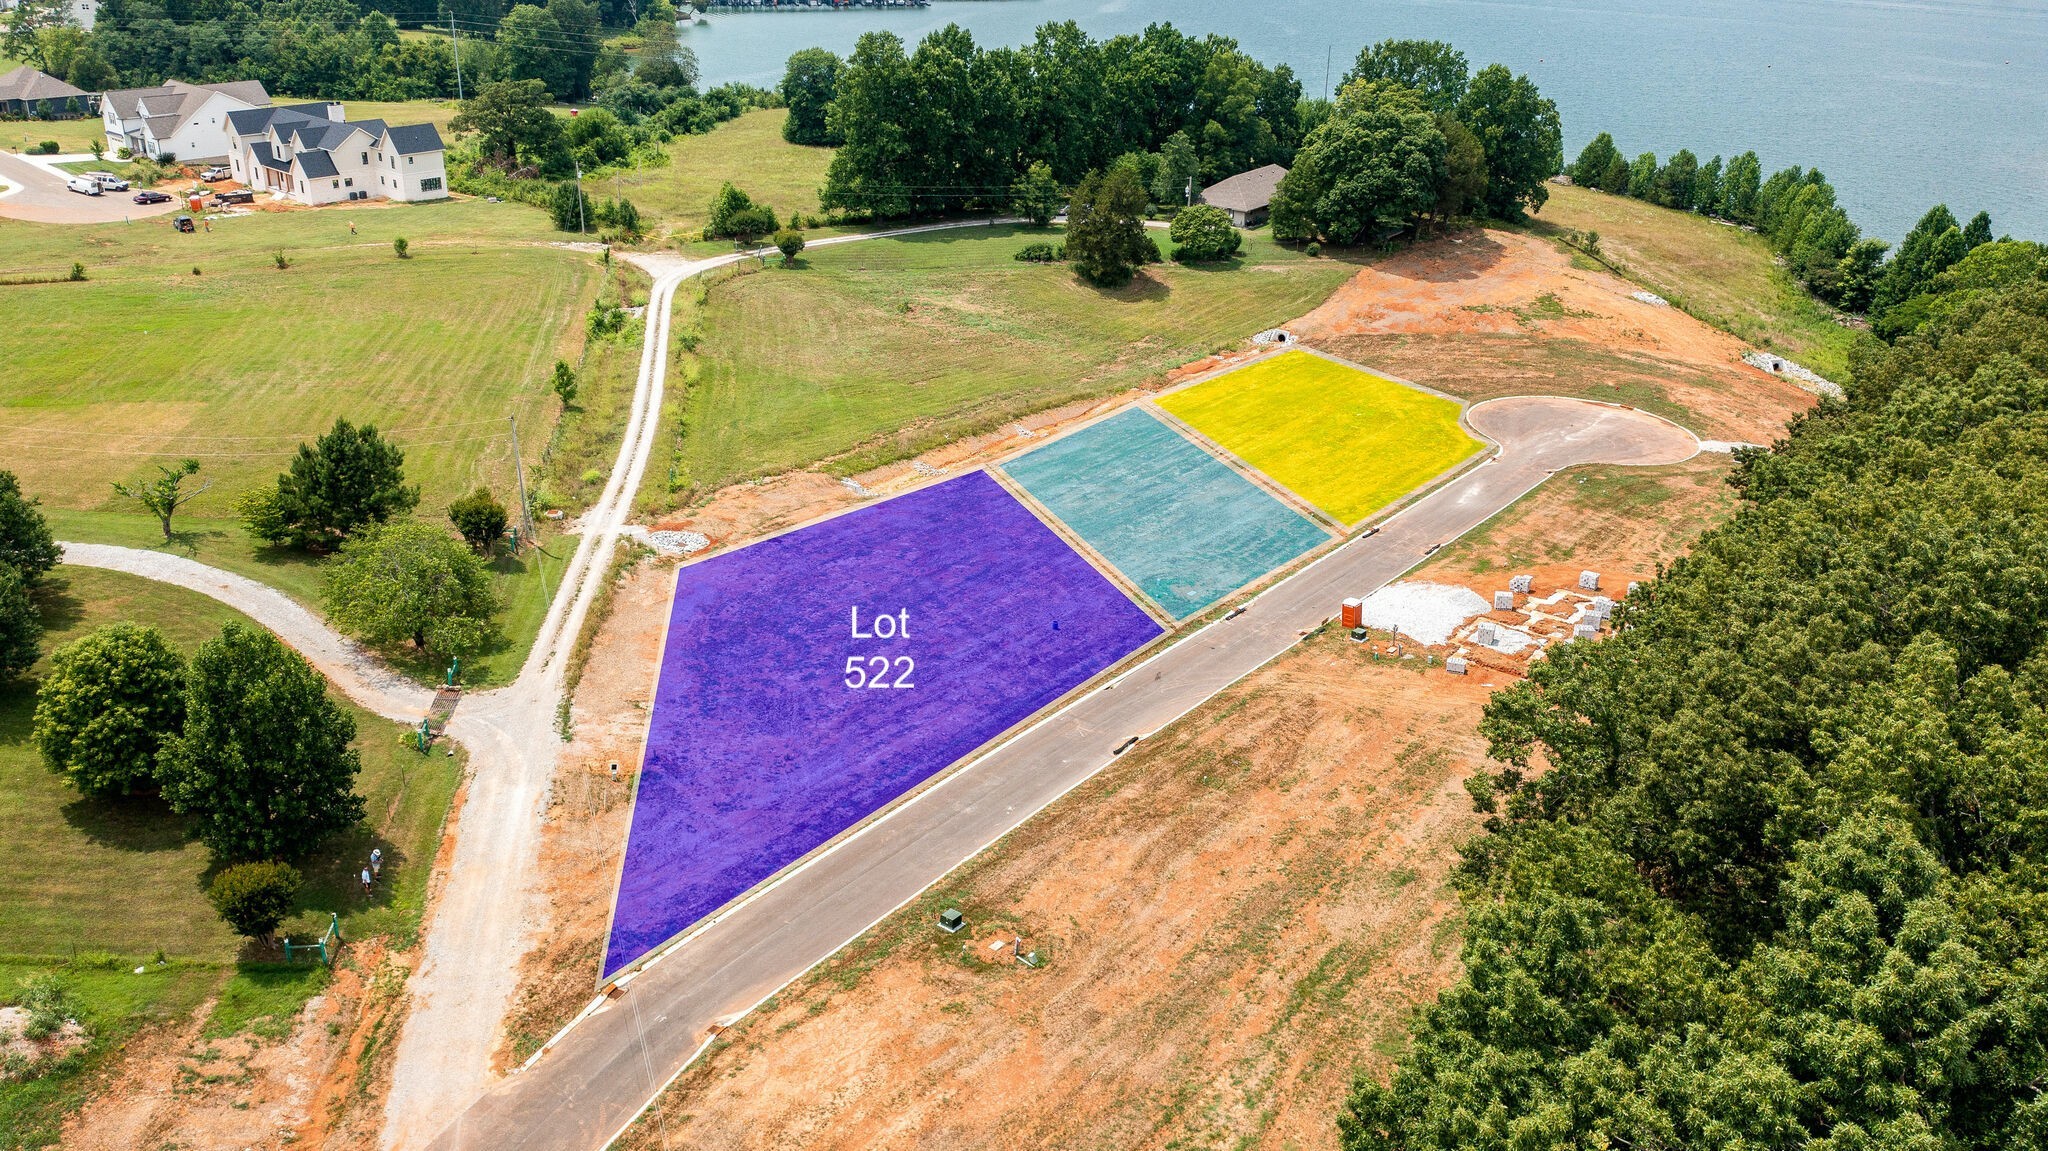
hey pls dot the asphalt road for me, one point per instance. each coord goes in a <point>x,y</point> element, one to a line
<point>606,1069</point>
<point>38,195</point>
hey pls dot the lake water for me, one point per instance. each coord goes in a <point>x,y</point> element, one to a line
<point>1902,103</point>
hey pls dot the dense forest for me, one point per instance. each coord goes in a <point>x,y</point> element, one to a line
<point>1769,868</point>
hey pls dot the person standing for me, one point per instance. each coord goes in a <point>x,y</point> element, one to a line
<point>377,862</point>
<point>366,881</point>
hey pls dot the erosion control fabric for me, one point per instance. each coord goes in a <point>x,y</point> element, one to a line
<point>1175,520</point>
<point>811,679</point>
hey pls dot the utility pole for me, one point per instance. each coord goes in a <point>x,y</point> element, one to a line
<point>1329,53</point>
<point>582,227</point>
<point>1191,190</point>
<point>519,468</point>
<point>457,41</point>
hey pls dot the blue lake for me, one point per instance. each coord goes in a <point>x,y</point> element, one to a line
<point>1901,103</point>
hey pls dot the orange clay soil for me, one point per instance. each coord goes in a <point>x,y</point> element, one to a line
<point>1488,313</point>
<point>1232,918</point>
<point>1620,522</point>
<point>320,1086</point>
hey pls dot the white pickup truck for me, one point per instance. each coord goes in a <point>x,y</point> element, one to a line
<point>107,181</point>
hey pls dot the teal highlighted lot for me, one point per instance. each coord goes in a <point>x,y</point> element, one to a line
<point>1175,520</point>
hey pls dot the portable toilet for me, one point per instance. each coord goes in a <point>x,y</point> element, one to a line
<point>1354,613</point>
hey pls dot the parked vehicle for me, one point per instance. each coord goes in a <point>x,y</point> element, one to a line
<point>149,197</point>
<point>83,186</point>
<point>217,172</point>
<point>237,196</point>
<point>107,181</point>
<point>183,224</point>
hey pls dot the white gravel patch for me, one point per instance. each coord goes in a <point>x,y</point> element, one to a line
<point>1508,641</point>
<point>1650,298</point>
<point>1779,365</point>
<point>1425,612</point>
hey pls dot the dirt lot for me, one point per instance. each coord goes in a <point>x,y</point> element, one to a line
<point>319,1085</point>
<point>1491,313</point>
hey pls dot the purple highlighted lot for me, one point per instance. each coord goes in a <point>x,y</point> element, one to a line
<point>811,679</point>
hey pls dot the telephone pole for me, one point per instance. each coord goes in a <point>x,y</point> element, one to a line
<point>519,468</point>
<point>457,41</point>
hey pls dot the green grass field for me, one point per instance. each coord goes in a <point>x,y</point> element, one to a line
<point>876,351</point>
<point>235,366</point>
<point>1347,441</point>
<point>749,151</point>
<point>90,889</point>
<point>1720,274</point>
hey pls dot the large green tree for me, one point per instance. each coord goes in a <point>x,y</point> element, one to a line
<point>106,707</point>
<point>1590,169</point>
<point>1431,67</point>
<point>513,125</point>
<point>1375,166</point>
<point>1105,228</point>
<point>26,544</point>
<point>264,765</point>
<point>347,479</point>
<point>810,83</point>
<point>1203,233</point>
<point>21,625</point>
<point>1521,134</point>
<point>410,582</point>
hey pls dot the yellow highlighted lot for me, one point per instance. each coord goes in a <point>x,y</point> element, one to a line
<point>1347,441</point>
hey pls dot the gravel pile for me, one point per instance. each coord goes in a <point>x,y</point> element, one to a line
<point>1425,612</point>
<point>1650,298</point>
<point>678,543</point>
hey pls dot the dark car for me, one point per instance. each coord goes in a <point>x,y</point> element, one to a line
<point>148,197</point>
<point>238,196</point>
<point>182,223</point>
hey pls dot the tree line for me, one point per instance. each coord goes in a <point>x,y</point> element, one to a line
<point>1795,209</point>
<point>953,127</point>
<point>1769,868</point>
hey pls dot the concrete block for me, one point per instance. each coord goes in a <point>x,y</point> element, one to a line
<point>1503,601</point>
<point>1589,581</point>
<point>1602,604</point>
<point>1585,631</point>
<point>1455,665</point>
<point>1522,584</point>
<point>1486,635</point>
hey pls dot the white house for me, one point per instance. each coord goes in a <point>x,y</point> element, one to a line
<point>188,121</point>
<point>309,153</point>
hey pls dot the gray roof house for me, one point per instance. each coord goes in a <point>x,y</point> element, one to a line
<point>27,94</point>
<point>1247,196</point>
<point>311,154</point>
<point>189,121</point>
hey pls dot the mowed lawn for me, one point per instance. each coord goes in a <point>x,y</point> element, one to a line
<point>1717,272</point>
<point>200,345</point>
<point>1345,440</point>
<point>872,352</point>
<point>235,366</point>
<point>749,151</point>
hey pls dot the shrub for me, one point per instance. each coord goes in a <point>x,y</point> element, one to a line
<point>46,148</point>
<point>565,382</point>
<point>790,244</point>
<point>1202,233</point>
<point>1041,252</point>
<point>253,898</point>
<point>279,259</point>
<point>77,275</point>
<point>47,1006</point>
<point>1313,250</point>
<point>569,206</point>
<point>480,518</point>
<point>399,246</point>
